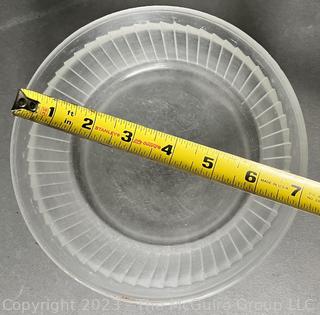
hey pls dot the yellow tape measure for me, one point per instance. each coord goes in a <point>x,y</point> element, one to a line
<point>259,179</point>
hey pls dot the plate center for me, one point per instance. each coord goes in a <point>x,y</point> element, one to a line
<point>148,201</point>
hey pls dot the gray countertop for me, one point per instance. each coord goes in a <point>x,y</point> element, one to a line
<point>286,282</point>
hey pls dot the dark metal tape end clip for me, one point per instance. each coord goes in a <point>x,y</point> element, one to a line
<point>24,102</point>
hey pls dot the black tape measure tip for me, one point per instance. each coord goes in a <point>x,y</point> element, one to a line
<point>23,102</point>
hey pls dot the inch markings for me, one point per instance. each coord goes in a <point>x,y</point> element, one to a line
<point>210,163</point>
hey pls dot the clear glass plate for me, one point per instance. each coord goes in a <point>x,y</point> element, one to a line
<point>131,228</point>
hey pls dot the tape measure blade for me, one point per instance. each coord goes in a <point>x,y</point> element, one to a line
<point>213,164</point>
